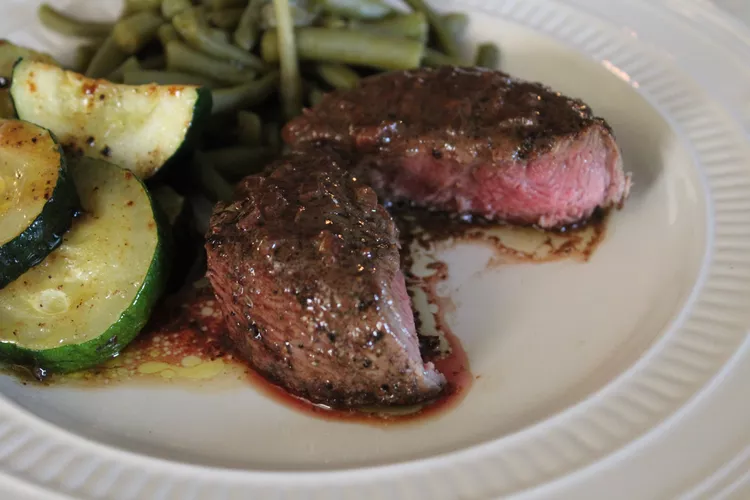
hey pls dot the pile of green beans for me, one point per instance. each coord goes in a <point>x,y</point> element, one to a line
<point>263,60</point>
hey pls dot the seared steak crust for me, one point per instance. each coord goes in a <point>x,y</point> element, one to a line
<point>305,267</point>
<point>474,141</point>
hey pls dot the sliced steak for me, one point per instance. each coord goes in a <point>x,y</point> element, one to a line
<point>473,141</point>
<point>305,267</point>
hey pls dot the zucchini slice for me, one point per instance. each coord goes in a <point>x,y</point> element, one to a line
<point>92,295</point>
<point>37,197</point>
<point>142,128</point>
<point>9,54</point>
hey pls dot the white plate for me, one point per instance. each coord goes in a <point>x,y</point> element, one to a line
<point>618,378</point>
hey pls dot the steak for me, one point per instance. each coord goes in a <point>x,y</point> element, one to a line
<point>472,141</point>
<point>305,267</point>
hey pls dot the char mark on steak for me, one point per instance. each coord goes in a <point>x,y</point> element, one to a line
<point>472,141</point>
<point>305,267</point>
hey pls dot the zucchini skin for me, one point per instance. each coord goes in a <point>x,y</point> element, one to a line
<point>76,357</point>
<point>201,114</point>
<point>46,232</point>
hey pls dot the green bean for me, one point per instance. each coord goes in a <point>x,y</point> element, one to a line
<point>167,78</point>
<point>356,9</point>
<point>166,34</point>
<point>446,41</point>
<point>488,56</point>
<point>198,34</point>
<point>246,33</point>
<point>348,47</point>
<point>171,203</point>
<point>170,8</point>
<point>226,19</point>
<point>180,57</point>
<point>133,6</point>
<point>272,134</point>
<point>456,23</point>
<point>157,61</point>
<point>213,185</point>
<point>291,81</point>
<point>134,32</point>
<point>65,25</point>
<point>11,53</point>
<point>83,56</point>
<point>334,22</point>
<point>412,25</point>
<point>300,16</point>
<point>315,95</point>
<point>216,34</point>
<point>249,128</point>
<point>237,162</point>
<point>6,105</point>
<point>434,57</point>
<point>130,64</point>
<point>337,75</point>
<point>224,4</point>
<point>107,59</point>
<point>245,96</point>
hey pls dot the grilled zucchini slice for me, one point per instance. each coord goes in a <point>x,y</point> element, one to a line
<point>37,197</point>
<point>142,128</point>
<point>91,296</point>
